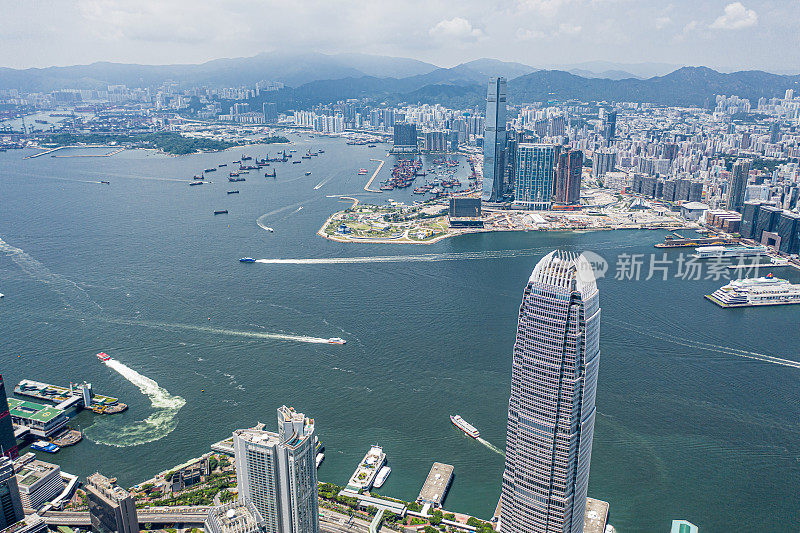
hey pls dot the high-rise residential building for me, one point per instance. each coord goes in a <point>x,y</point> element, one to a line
<point>568,177</point>
<point>270,111</point>
<point>111,508</point>
<point>8,442</point>
<point>774,132</point>
<point>551,411</point>
<point>277,473</point>
<point>533,188</point>
<point>10,502</point>
<point>610,129</point>
<point>603,161</point>
<point>494,140</point>
<point>737,184</point>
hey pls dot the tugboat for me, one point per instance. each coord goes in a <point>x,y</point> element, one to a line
<point>247,260</point>
<point>336,340</point>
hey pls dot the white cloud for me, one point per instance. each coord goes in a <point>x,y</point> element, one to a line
<point>568,29</point>
<point>662,22</point>
<point>735,17</point>
<point>547,8</point>
<point>456,28</point>
<point>530,35</point>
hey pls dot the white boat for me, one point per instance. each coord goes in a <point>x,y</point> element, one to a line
<point>465,426</point>
<point>712,252</point>
<point>336,340</point>
<point>1,294</point>
<point>380,479</point>
<point>767,290</point>
<point>320,457</point>
<point>368,468</point>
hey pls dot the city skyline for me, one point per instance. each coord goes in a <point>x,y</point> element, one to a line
<point>560,32</point>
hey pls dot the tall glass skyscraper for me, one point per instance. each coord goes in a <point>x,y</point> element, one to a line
<point>535,174</point>
<point>494,140</point>
<point>551,411</point>
<point>737,184</point>
<point>8,443</point>
<point>277,473</point>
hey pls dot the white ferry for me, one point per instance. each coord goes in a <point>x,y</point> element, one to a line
<point>380,479</point>
<point>465,426</point>
<point>336,340</point>
<point>768,290</point>
<point>368,468</point>
<point>712,252</point>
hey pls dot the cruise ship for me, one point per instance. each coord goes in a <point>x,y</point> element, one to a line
<point>465,426</point>
<point>367,470</point>
<point>712,252</point>
<point>768,290</point>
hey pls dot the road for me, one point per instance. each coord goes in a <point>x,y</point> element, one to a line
<point>172,515</point>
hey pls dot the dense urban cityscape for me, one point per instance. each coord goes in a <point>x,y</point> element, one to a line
<point>225,282</point>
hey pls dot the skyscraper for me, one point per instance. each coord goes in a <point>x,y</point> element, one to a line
<point>551,411</point>
<point>405,137</point>
<point>610,130</point>
<point>568,177</point>
<point>737,184</point>
<point>277,473</point>
<point>10,502</point>
<point>535,174</point>
<point>494,140</point>
<point>111,508</point>
<point>8,443</point>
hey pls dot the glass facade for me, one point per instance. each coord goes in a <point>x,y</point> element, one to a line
<point>552,406</point>
<point>535,175</point>
<point>494,140</point>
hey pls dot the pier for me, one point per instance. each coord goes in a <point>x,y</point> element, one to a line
<point>374,175</point>
<point>77,396</point>
<point>436,485</point>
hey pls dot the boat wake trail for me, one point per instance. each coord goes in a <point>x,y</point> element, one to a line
<point>452,256</point>
<point>322,183</point>
<point>220,331</point>
<point>155,427</point>
<point>689,343</point>
<point>70,292</point>
<point>491,446</point>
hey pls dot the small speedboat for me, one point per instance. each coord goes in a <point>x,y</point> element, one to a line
<point>336,340</point>
<point>247,260</point>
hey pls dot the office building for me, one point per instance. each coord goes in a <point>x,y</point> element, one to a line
<point>551,411</point>
<point>39,482</point>
<point>749,219</point>
<point>31,523</point>
<point>494,141</point>
<point>568,177</point>
<point>111,508</point>
<point>533,188</point>
<point>8,443</point>
<point>405,137</point>
<point>270,112</point>
<point>238,516</point>
<point>610,129</point>
<point>737,184</point>
<point>277,473</point>
<point>787,231</point>
<point>10,501</point>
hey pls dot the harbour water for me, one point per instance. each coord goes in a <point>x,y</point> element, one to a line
<point>693,420</point>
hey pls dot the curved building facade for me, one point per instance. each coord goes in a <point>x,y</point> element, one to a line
<point>552,406</point>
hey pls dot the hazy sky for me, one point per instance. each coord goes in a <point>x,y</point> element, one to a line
<point>717,33</point>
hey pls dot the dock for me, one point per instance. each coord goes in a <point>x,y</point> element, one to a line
<point>436,485</point>
<point>374,175</point>
<point>671,242</point>
<point>595,518</point>
<point>77,396</point>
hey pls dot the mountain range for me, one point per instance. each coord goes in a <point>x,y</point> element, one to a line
<point>318,78</point>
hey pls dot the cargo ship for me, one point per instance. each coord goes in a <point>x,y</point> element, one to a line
<point>752,292</point>
<point>465,426</point>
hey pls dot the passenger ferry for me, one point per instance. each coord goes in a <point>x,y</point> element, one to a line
<point>712,252</point>
<point>44,446</point>
<point>103,356</point>
<point>380,479</point>
<point>336,340</point>
<point>465,426</point>
<point>750,292</point>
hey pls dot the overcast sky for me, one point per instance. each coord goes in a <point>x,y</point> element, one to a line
<point>717,33</point>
